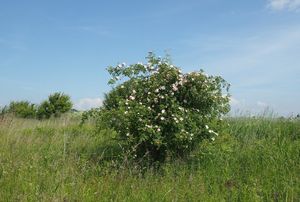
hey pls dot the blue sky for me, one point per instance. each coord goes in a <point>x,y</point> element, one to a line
<point>64,45</point>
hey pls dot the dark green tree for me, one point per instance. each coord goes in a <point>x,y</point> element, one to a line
<point>57,104</point>
<point>22,109</point>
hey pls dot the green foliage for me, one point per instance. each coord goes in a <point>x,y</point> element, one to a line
<point>158,110</point>
<point>22,109</point>
<point>45,110</point>
<point>61,103</point>
<point>91,115</point>
<point>57,104</point>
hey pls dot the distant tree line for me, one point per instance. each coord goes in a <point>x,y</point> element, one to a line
<point>56,104</point>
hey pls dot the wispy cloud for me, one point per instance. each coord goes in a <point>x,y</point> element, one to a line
<point>256,53</point>
<point>15,45</point>
<point>284,4</point>
<point>243,107</point>
<point>89,29</point>
<point>262,104</point>
<point>234,101</point>
<point>87,103</point>
<point>258,44</point>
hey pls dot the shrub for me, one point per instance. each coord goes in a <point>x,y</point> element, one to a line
<point>91,115</point>
<point>22,109</point>
<point>45,110</point>
<point>158,110</point>
<point>57,104</point>
<point>3,110</point>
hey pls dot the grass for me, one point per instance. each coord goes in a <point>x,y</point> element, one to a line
<point>253,159</point>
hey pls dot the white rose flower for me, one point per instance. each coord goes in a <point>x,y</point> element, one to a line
<point>174,87</point>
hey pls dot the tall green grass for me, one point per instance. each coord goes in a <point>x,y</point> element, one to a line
<point>253,159</point>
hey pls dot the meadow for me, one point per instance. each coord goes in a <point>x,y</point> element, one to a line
<point>253,159</point>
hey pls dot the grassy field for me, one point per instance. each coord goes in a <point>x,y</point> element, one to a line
<point>253,159</point>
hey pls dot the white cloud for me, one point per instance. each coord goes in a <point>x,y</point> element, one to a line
<point>87,103</point>
<point>284,4</point>
<point>243,107</point>
<point>262,104</point>
<point>234,101</point>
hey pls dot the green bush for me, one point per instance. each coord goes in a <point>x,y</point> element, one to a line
<point>22,109</point>
<point>45,110</point>
<point>160,111</point>
<point>57,104</point>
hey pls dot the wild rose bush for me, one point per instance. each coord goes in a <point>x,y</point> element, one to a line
<point>157,110</point>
